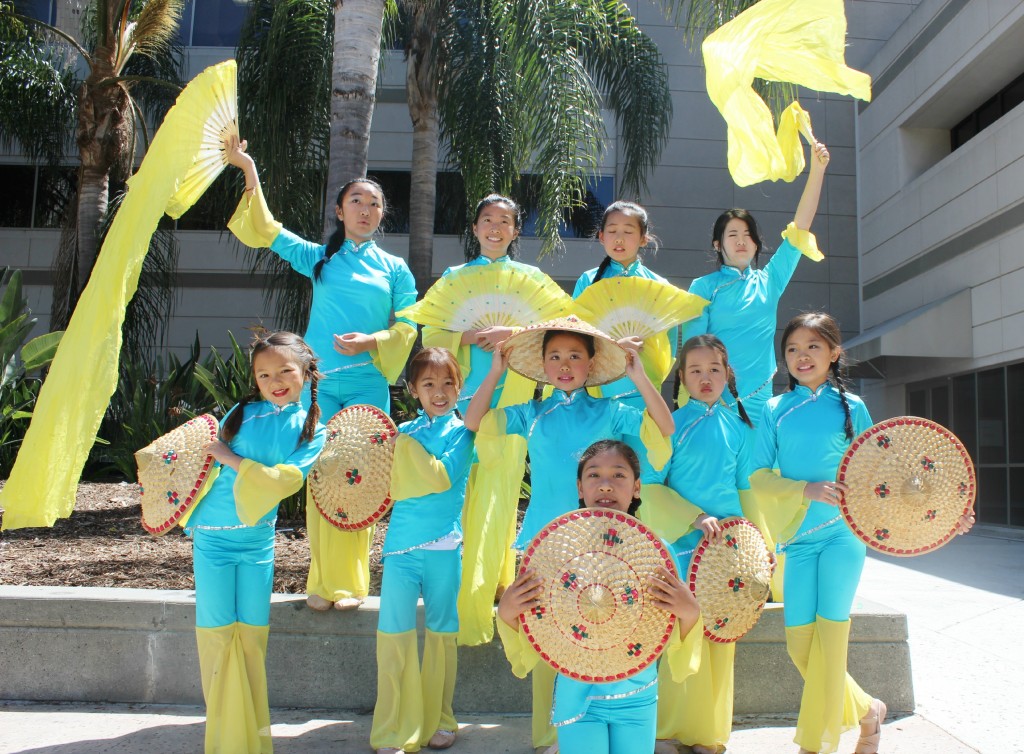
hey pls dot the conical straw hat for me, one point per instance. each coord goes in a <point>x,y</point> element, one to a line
<point>910,480</point>
<point>595,621</point>
<point>172,470</point>
<point>730,580</point>
<point>351,479</point>
<point>525,355</point>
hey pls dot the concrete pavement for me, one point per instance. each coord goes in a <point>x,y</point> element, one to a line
<point>965,605</point>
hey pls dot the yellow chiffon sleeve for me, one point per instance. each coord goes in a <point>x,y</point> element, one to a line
<point>437,337</point>
<point>520,653</point>
<point>775,503</point>
<point>253,224</point>
<point>683,651</point>
<point>415,472</point>
<point>490,438</point>
<point>259,488</point>
<point>668,513</point>
<point>659,447</point>
<point>392,351</point>
<point>518,389</point>
<point>804,241</point>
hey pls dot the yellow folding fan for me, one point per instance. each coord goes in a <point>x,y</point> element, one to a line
<point>214,114</point>
<point>507,295</point>
<point>624,307</point>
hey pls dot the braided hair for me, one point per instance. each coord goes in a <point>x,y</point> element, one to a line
<point>337,237</point>
<point>718,232</point>
<point>629,209</point>
<point>613,446</point>
<point>824,326</point>
<point>715,344</point>
<point>297,348</point>
<point>517,213</point>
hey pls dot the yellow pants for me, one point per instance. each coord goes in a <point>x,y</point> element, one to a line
<point>413,701</point>
<point>233,665</point>
<point>543,679</point>
<point>699,710</point>
<point>339,561</point>
<point>832,702</point>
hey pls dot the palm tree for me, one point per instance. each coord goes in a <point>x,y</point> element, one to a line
<point>132,72</point>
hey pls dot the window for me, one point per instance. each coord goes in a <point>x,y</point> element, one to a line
<point>450,211</point>
<point>212,23</point>
<point>986,411</point>
<point>32,197</point>
<point>44,10</point>
<point>990,111</point>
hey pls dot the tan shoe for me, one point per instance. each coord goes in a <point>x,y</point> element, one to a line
<point>318,603</point>
<point>348,603</point>
<point>442,739</point>
<point>868,744</point>
<point>665,746</point>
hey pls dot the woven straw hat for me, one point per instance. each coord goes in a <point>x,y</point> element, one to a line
<point>731,580</point>
<point>910,480</point>
<point>525,354</point>
<point>172,470</point>
<point>595,622</point>
<point>351,479</point>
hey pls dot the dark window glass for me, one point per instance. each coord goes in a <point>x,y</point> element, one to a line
<point>964,131</point>
<point>989,113</point>
<point>940,405</point>
<point>44,10</point>
<point>1017,496</point>
<point>917,401</point>
<point>1015,411</point>
<point>965,417</point>
<point>185,24</point>
<point>17,183</point>
<point>991,417</point>
<point>1013,95</point>
<point>218,23</point>
<point>55,193</point>
<point>992,495</point>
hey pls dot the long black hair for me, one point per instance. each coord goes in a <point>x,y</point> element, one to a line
<point>517,213</point>
<point>337,237</point>
<point>825,326</point>
<point>718,232</point>
<point>629,209</point>
<point>715,344</point>
<point>297,348</point>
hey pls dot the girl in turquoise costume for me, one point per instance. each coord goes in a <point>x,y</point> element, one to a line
<point>624,232</point>
<point>356,289</point>
<point>267,444</point>
<point>804,433</point>
<point>617,717</point>
<point>489,568</point>
<point>745,299</point>
<point>712,449</point>
<point>421,556</point>
<point>557,431</point>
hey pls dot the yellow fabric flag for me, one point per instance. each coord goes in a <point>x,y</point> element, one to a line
<point>83,376</point>
<point>795,41</point>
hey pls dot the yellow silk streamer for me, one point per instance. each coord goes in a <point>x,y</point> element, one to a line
<point>83,376</point>
<point>795,41</point>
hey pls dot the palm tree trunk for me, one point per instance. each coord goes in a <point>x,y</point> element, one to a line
<point>93,196</point>
<point>357,29</point>
<point>421,86</point>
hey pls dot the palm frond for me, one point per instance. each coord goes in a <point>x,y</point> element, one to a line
<point>629,69</point>
<point>284,84</point>
<point>155,27</point>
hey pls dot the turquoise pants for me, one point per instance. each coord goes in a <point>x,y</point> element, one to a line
<point>234,572</point>
<point>822,573</point>
<point>347,388</point>
<point>613,726</point>
<point>434,574</point>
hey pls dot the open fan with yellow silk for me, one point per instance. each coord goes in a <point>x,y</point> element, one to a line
<point>507,295</point>
<point>625,307</point>
<point>215,116</point>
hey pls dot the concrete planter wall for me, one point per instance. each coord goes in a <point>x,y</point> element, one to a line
<point>137,645</point>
